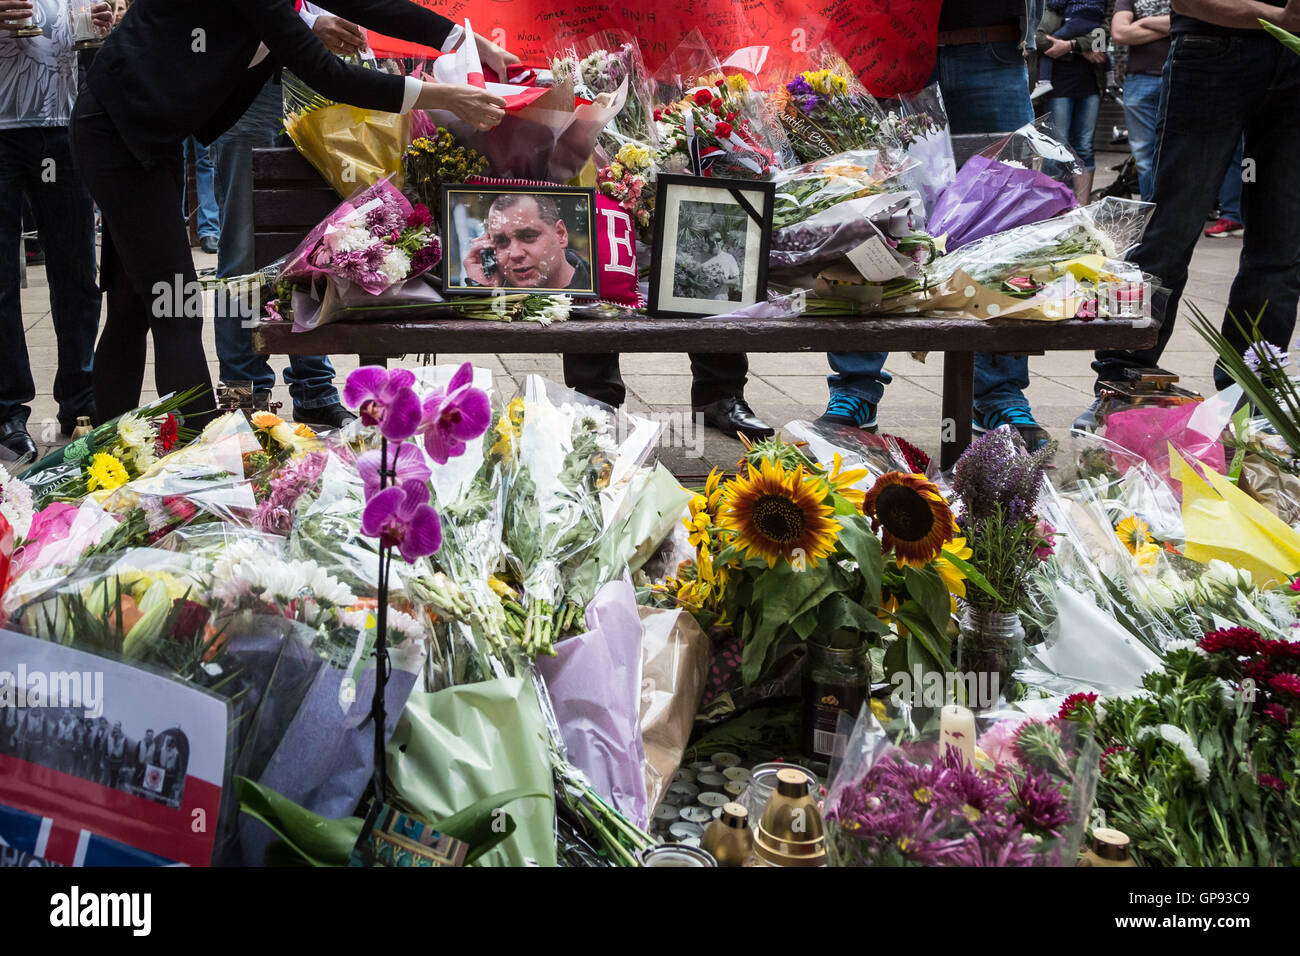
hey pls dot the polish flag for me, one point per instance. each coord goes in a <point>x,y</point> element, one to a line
<point>463,66</point>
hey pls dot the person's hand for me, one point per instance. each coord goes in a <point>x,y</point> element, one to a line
<point>102,15</point>
<point>14,12</point>
<point>494,58</point>
<point>473,263</point>
<point>1093,56</point>
<point>1290,16</point>
<point>478,107</point>
<point>339,35</point>
<point>1058,49</point>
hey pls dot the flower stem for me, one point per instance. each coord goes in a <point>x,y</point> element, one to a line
<point>381,645</point>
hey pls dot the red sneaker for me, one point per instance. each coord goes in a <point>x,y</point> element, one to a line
<point>1226,229</point>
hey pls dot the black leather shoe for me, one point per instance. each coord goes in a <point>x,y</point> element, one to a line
<point>733,416</point>
<point>209,245</point>
<point>329,416</point>
<point>16,444</point>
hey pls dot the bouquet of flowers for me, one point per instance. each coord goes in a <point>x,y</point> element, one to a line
<point>436,160</point>
<point>601,64</point>
<point>373,240</point>
<point>916,805</point>
<point>805,191</point>
<point>827,111</point>
<point>1200,768</point>
<point>627,181</point>
<point>716,130</point>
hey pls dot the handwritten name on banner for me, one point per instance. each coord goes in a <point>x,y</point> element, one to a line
<point>889,43</point>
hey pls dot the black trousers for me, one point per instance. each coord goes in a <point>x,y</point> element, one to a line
<point>146,270</point>
<point>714,376</point>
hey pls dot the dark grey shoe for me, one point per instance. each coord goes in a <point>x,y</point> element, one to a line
<point>1088,421</point>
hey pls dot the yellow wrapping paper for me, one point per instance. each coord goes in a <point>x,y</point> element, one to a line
<point>1222,521</point>
<point>351,147</point>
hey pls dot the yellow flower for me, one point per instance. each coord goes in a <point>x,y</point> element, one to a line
<point>105,471</point>
<point>302,431</point>
<point>923,794</point>
<point>878,709</point>
<point>713,488</point>
<point>1134,532</point>
<point>912,516</point>
<point>776,513</point>
<point>633,156</point>
<point>699,525</point>
<point>951,574</point>
<point>843,481</point>
<point>738,83</point>
<point>1146,556</point>
<point>266,420</point>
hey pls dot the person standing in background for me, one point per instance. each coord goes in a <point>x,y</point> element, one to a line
<point>205,199</point>
<point>1229,224</point>
<point>310,377</point>
<point>1225,77</point>
<point>1143,27</point>
<point>982,74</point>
<point>1078,77</point>
<point>38,87</point>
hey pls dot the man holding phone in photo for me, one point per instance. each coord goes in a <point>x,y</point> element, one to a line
<point>526,245</point>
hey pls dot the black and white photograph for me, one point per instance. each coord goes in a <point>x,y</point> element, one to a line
<point>711,245</point>
<point>521,239</point>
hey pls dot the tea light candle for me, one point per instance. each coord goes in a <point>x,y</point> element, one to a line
<point>957,730</point>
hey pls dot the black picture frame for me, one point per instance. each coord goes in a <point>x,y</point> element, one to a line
<point>455,197</point>
<point>672,273</point>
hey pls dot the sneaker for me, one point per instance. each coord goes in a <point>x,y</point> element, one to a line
<point>1042,88</point>
<point>846,409</point>
<point>1088,420</point>
<point>1018,417</point>
<point>1226,229</point>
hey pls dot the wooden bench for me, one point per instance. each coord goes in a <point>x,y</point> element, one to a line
<point>290,198</point>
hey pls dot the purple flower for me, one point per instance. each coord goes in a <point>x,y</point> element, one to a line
<point>809,103</point>
<point>405,461</point>
<point>800,87</point>
<point>401,517</point>
<point>454,416</point>
<point>387,217</point>
<point>426,258</point>
<point>385,399</point>
<point>1264,356</point>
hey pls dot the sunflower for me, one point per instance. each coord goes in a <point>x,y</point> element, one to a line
<point>951,574</point>
<point>777,513</point>
<point>912,517</point>
<point>842,481</point>
<point>105,471</point>
<point>1134,532</point>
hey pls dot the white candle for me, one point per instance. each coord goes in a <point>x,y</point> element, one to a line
<point>84,25</point>
<point>957,730</point>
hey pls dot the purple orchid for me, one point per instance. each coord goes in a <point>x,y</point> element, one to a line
<point>384,398</point>
<point>401,517</point>
<point>406,462</point>
<point>455,415</point>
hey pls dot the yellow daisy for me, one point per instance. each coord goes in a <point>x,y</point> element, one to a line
<point>266,420</point>
<point>1134,532</point>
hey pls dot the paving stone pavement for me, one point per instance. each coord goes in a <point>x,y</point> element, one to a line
<point>782,387</point>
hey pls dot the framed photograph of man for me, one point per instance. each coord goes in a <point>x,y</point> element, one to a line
<point>711,243</point>
<point>519,239</point>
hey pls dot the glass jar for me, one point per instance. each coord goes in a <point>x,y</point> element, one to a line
<point>762,784</point>
<point>33,26</point>
<point>836,681</point>
<point>85,35</point>
<point>990,646</point>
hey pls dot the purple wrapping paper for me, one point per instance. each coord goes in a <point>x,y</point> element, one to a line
<point>595,687</point>
<point>989,196</point>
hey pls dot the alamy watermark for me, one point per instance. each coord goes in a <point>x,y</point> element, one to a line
<point>23,689</point>
<point>977,690</point>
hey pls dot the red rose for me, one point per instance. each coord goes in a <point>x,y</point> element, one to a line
<point>703,97</point>
<point>723,130</point>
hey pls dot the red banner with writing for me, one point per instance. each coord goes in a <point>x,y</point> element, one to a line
<point>889,43</point>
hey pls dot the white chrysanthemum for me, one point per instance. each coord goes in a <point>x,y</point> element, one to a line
<point>396,265</point>
<point>349,238</point>
<point>1183,644</point>
<point>404,626</point>
<point>1179,738</point>
<point>16,504</point>
<point>135,433</point>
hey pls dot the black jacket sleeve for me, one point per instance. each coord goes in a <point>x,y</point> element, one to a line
<point>396,18</point>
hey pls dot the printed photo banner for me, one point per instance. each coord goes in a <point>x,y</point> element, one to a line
<point>889,43</point>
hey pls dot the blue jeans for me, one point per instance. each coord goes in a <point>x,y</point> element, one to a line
<point>65,220</point>
<point>310,377</point>
<point>1075,118</point>
<point>985,88</point>
<point>208,215</point>
<point>1230,191</point>
<point>1216,88</point>
<point>1142,113</point>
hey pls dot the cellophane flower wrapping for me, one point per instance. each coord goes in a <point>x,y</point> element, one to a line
<point>907,804</point>
<point>594,684</point>
<point>1146,432</point>
<point>348,145</point>
<point>803,192</point>
<point>468,742</point>
<point>921,125</point>
<point>598,64</point>
<point>990,196</point>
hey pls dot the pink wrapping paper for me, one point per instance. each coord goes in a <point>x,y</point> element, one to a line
<point>1146,432</point>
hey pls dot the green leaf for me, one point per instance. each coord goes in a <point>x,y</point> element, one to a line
<point>860,543</point>
<point>479,824</point>
<point>972,573</point>
<point>1288,40</point>
<point>912,616</point>
<point>926,587</point>
<point>841,611</point>
<point>318,840</point>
